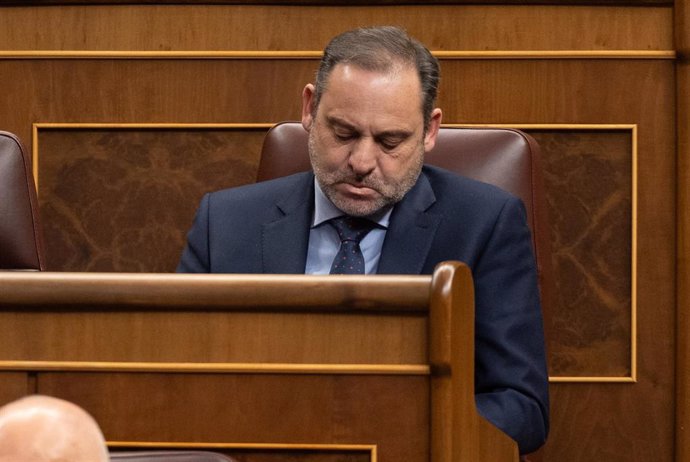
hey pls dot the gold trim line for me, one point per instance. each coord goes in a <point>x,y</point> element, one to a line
<point>257,368</point>
<point>311,55</point>
<point>292,446</point>
<point>150,125</point>
<point>521,126</point>
<point>592,379</point>
<point>238,368</point>
<point>633,259</point>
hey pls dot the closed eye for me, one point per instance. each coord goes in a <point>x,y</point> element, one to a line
<point>342,131</point>
<point>345,136</point>
<point>390,143</point>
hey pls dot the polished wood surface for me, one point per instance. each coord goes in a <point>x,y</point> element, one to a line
<point>94,312</point>
<point>257,359</point>
<point>275,27</point>
<point>208,291</point>
<point>257,410</point>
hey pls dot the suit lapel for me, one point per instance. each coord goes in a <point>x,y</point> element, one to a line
<point>285,240</point>
<point>411,231</point>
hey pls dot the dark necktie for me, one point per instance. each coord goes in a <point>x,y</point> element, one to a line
<point>351,231</point>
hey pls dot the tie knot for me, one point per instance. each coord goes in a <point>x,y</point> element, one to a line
<point>352,228</point>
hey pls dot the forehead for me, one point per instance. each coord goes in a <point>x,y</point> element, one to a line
<point>396,73</point>
<point>359,93</point>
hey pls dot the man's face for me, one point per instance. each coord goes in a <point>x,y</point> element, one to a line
<point>367,140</point>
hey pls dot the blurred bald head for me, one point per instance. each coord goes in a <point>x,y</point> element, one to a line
<point>45,429</point>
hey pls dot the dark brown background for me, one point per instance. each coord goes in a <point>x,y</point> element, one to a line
<point>121,199</point>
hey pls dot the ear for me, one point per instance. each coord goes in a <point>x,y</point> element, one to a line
<point>307,106</point>
<point>432,130</point>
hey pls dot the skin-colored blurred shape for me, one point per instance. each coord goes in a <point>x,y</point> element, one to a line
<point>46,429</point>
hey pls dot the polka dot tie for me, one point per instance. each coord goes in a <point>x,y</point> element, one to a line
<point>351,231</point>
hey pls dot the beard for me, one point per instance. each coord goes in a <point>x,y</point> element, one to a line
<point>389,193</point>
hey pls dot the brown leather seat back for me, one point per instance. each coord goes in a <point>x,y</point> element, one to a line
<point>21,246</point>
<point>505,157</point>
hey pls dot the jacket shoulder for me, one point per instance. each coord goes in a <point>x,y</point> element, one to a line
<point>449,185</point>
<point>261,194</point>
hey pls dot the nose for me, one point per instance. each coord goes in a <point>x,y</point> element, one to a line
<point>363,155</point>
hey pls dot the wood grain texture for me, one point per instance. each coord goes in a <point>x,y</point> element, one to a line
<point>142,91</point>
<point>14,386</point>
<point>600,412</point>
<point>90,315</point>
<point>212,338</point>
<point>28,292</point>
<point>279,27</point>
<point>589,179</point>
<point>255,409</point>
<point>132,173</point>
<point>682,21</point>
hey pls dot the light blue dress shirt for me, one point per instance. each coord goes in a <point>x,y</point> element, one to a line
<point>324,242</point>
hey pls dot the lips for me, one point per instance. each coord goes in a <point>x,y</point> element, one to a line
<point>357,191</point>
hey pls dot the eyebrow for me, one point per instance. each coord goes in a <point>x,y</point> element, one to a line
<point>394,134</point>
<point>335,121</point>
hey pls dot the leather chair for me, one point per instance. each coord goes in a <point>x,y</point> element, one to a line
<point>21,246</point>
<point>507,158</point>
<point>168,456</point>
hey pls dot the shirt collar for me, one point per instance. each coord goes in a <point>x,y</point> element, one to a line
<point>325,210</point>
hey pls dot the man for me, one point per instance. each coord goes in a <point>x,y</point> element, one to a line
<point>371,118</point>
<point>44,429</point>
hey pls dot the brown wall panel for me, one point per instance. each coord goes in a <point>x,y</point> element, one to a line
<point>148,91</point>
<point>270,27</point>
<point>123,199</point>
<point>564,91</point>
<point>607,422</point>
<point>589,180</point>
<point>14,386</point>
<point>682,35</point>
<point>212,339</point>
<point>242,408</point>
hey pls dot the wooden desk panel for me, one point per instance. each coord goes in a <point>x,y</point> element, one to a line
<point>377,368</point>
<point>269,409</point>
<point>198,336</point>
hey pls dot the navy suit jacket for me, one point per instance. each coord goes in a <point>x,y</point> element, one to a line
<point>264,228</point>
